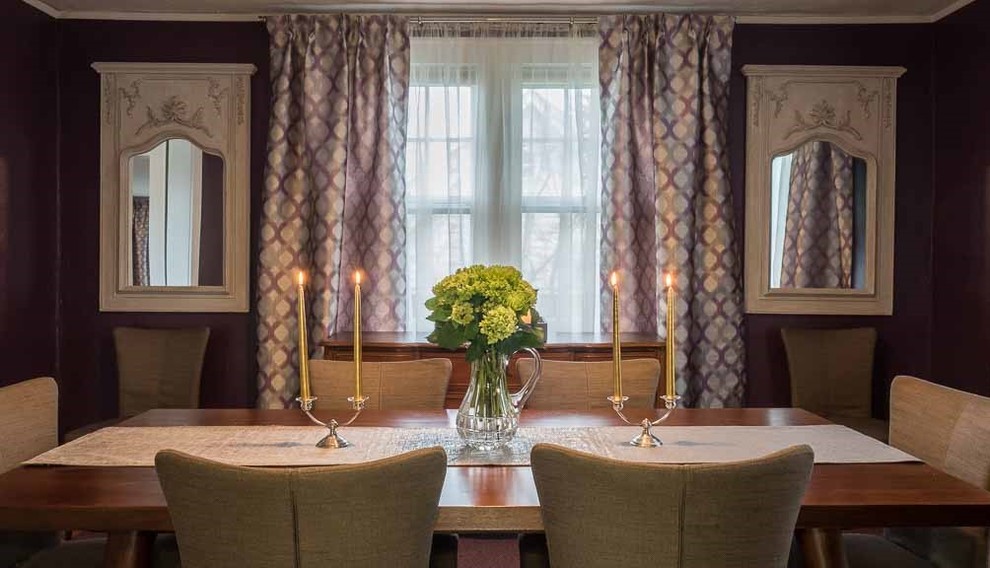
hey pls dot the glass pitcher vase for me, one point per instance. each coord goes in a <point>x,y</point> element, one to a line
<point>489,414</point>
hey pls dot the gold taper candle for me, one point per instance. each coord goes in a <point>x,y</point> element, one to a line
<point>303,340</point>
<point>616,345</point>
<point>357,335</point>
<point>670,348</point>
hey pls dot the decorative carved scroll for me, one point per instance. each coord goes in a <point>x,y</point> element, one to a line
<point>757,98</point>
<point>216,94</point>
<point>241,97</point>
<point>174,111</point>
<point>779,98</point>
<point>865,96</point>
<point>823,115</point>
<point>132,94</point>
<point>108,98</point>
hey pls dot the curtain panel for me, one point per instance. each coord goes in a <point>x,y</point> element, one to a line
<point>818,233</point>
<point>334,185</point>
<point>666,203</point>
<point>141,265</point>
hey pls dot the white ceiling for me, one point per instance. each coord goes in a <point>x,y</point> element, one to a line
<point>768,11</point>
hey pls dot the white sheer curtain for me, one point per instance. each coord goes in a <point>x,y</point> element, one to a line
<point>780,191</point>
<point>502,161</point>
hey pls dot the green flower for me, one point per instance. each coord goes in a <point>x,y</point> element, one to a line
<point>521,299</point>
<point>480,306</point>
<point>498,323</point>
<point>462,313</point>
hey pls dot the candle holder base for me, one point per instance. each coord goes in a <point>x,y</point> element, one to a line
<point>646,438</point>
<point>332,440</point>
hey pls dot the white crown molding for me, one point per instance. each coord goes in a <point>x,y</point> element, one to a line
<point>819,19</point>
<point>950,9</point>
<point>176,68</point>
<point>742,18</point>
<point>817,71</point>
<point>39,5</point>
<point>160,16</point>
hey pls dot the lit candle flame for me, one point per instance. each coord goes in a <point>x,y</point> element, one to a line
<point>300,277</point>
<point>669,279</point>
<point>613,280</point>
<point>357,277</point>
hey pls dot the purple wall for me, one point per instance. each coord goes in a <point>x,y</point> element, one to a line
<point>961,320</point>
<point>915,341</point>
<point>904,344</point>
<point>88,374</point>
<point>28,183</point>
<point>229,378</point>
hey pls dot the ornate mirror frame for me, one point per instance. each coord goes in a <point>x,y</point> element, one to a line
<point>144,104</point>
<point>854,107</point>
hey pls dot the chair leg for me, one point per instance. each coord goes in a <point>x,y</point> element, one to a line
<point>533,551</point>
<point>128,550</point>
<point>822,548</point>
<point>444,551</point>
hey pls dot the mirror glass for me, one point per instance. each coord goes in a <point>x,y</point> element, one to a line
<point>176,216</point>
<point>818,218</point>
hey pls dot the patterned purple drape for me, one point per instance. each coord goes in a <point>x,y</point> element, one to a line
<point>141,266</point>
<point>334,184</point>
<point>818,234</point>
<point>667,204</point>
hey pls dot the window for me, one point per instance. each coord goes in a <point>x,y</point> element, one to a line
<point>502,166</point>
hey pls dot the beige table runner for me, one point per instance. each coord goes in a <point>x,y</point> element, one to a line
<point>294,446</point>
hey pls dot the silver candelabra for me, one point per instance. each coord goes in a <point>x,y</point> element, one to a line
<point>646,438</point>
<point>333,439</point>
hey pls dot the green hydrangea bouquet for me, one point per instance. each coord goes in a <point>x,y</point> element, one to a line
<point>483,307</point>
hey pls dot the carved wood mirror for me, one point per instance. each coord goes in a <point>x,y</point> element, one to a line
<point>174,187</point>
<point>820,189</point>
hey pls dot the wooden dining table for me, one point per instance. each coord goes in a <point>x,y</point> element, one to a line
<point>127,502</point>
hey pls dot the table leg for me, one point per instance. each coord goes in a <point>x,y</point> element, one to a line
<point>128,550</point>
<point>822,548</point>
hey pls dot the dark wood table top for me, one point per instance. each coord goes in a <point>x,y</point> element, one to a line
<point>490,498</point>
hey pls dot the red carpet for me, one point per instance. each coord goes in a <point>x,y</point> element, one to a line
<point>480,552</point>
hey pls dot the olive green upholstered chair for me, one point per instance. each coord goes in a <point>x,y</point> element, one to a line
<point>603,513</point>
<point>401,385</point>
<point>949,429</point>
<point>570,385</point>
<point>159,368</point>
<point>29,420</point>
<point>832,375</point>
<point>88,553</point>
<point>156,368</point>
<point>378,514</point>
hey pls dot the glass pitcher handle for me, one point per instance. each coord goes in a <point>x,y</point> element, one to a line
<point>519,399</point>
